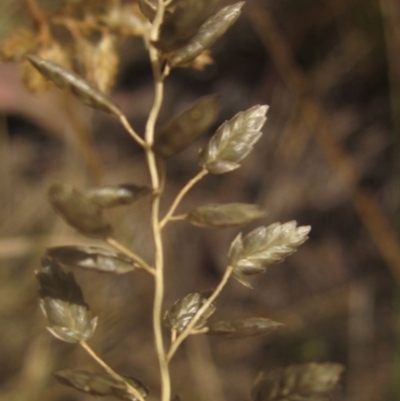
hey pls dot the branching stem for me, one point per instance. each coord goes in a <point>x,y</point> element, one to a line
<point>39,19</point>
<point>189,328</point>
<point>132,390</point>
<point>181,195</point>
<point>124,121</point>
<point>178,217</point>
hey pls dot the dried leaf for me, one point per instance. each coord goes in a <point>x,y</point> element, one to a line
<point>70,81</point>
<point>183,311</point>
<point>111,196</point>
<point>107,63</point>
<point>21,42</point>
<point>126,20</point>
<point>99,384</point>
<point>306,382</point>
<point>79,210</point>
<point>233,141</point>
<point>85,8</point>
<point>183,129</point>
<point>183,21</point>
<point>32,79</point>
<point>254,326</point>
<point>206,35</point>
<point>63,304</point>
<point>264,247</point>
<point>230,214</point>
<point>91,258</point>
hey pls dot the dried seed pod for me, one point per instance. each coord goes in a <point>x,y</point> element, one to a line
<point>91,258</point>
<point>79,87</point>
<point>206,35</point>
<point>309,381</point>
<point>100,384</point>
<point>183,311</point>
<point>78,210</point>
<point>233,141</point>
<point>183,22</point>
<point>219,216</point>
<point>264,247</point>
<point>183,129</point>
<point>254,326</point>
<point>33,80</point>
<point>63,304</point>
<point>111,196</point>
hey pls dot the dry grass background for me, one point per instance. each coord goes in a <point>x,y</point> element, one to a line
<point>329,157</point>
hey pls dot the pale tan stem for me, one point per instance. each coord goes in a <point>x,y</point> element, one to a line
<point>132,390</point>
<point>155,209</point>
<point>39,19</point>
<point>178,217</point>
<point>189,328</point>
<point>119,247</point>
<point>181,195</point>
<point>173,335</point>
<point>124,121</point>
<point>204,330</point>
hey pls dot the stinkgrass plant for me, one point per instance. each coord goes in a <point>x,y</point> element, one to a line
<point>176,33</point>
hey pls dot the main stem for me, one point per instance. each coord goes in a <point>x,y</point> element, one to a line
<point>155,210</point>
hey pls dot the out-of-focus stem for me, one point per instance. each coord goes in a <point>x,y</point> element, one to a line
<point>110,371</point>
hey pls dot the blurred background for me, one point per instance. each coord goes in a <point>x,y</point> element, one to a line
<point>329,158</point>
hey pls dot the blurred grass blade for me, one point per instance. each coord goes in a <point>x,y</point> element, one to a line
<point>309,381</point>
<point>183,129</point>
<point>91,258</point>
<point>207,34</point>
<point>63,304</point>
<point>72,82</point>
<point>183,311</point>
<point>183,21</point>
<point>99,384</point>
<point>264,247</point>
<point>233,141</point>
<point>254,326</point>
<point>226,215</point>
<point>118,195</point>
<point>79,210</point>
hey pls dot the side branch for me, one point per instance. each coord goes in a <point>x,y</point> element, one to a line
<point>132,390</point>
<point>181,195</point>
<point>124,121</point>
<point>119,247</point>
<point>189,328</point>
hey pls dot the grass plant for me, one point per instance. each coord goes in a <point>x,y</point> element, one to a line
<point>176,34</point>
